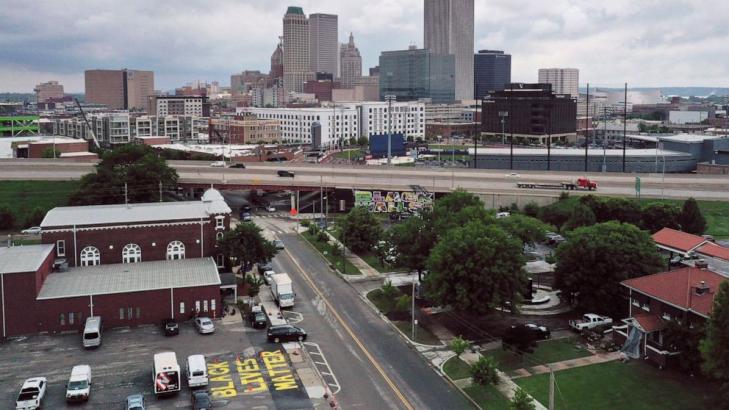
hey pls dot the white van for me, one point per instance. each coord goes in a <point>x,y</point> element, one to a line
<point>79,384</point>
<point>92,332</point>
<point>197,371</point>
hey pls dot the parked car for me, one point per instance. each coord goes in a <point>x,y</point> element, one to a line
<point>278,243</point>
<point>239,165</point>
<point>201,400</point>
<point>218,164</point>
<point>246,208</point>
<point>34,230</point>
<point>542,332</point>
<point>590,320</point>
<point>170,327</point>
<point>285,333</point>
<point>204,325</point>
<point>283,173</point>
<point>246,217</point>
<point>257,319</point>
<point>135,402</point>
<point>271,208</point>
<point>78,387</point>
<point>267,275</point>
<point>554,238</point>
<point>31,394</point>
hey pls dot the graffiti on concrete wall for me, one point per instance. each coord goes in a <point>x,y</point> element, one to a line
<point>381,201</point>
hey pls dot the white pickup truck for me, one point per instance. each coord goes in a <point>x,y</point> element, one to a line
<point>31,394</point>
<point>590,320</point>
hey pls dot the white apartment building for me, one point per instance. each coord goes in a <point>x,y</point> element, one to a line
<point>119,128</point>
<point>408,118</point>
<point>179,105</point>
<point>563,80</point>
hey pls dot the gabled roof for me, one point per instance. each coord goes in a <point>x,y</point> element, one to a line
<point>671,239</point>
<point>678,288</point>
<point>649,322</point>
<point>714,250</point>
<point>21,259</point>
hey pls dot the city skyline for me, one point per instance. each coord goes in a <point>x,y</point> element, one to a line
<point>677,47</point>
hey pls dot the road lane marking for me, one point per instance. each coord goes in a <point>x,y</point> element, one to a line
<point>359,343</point>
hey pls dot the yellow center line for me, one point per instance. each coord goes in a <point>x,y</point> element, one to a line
<point>372,360</point>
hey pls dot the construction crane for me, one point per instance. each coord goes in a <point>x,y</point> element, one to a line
<point>91,129</point>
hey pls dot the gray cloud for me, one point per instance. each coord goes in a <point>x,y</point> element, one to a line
<point>648,43</point>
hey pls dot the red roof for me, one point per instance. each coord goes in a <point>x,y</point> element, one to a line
<point>650,323</point>
<point>678,288</point>
<point>714,250</point>
<point>677,240</point>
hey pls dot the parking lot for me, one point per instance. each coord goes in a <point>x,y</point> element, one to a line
<point>244,370</point>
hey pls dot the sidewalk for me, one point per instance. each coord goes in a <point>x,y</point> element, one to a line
<point>364,267</point>
<point>568,364</point>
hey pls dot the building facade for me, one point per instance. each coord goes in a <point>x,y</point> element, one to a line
<point>50,90</point>
<point>323,43</point>
<point>197,106</point>
<point>244,130</point>
<point>119,89</point>
<point>449,29</point>
<point>563,80</point>
<point>415,74</point>
<point>296,59</point>
<point>351,63</point>
<point>491,72</point>
<point>121,127</point>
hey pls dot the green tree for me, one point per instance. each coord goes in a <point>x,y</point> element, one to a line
<point>475,268</point>
<point>691,219</point>
<point>521,400</point>
<point>50,152</point>
<point>527,229</point>
<point>484,371</point>
<point>458,209</point>
<point>360,230</point>
<point>715,346</point>
<point>531,209</point>
<point>595,259</point>
<point>363,141</point>
<point>459,345</point>
<point>581,216</point>
<point>7,219</point>
<point>35,217</point>
<point>137,166</point>
<point>403,303</point>
<point>413,241</point>
<point>685,338</point>
<point>254,284</point>
<point>657,215</point>
<point>556,214</point>
<point>246,245</point>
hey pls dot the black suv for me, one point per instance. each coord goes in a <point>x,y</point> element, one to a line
<point>170,327</point>
<point>257,320</point>
<point>238,165</point>
<point>283,173</point>
<point>285,333</point>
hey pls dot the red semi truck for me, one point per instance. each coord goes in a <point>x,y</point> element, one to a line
<point>585,184</point>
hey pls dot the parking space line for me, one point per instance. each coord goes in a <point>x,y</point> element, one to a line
<point>325,370</point>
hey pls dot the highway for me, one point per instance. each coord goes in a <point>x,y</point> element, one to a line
<point>675,186</point>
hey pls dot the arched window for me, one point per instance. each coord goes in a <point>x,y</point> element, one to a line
<point>175,251</point>
<point>90,256</point>
<point>131,253</point>
<point>219,236</point>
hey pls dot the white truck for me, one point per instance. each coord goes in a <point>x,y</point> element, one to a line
<point>79,384</point>
<point>282,290</point>
<point>31,394</point>
<point>589,321</point>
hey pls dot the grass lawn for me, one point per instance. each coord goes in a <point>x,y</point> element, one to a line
<point>342,264</point>
<point>456,368</point>
<point>383,304</point>
<point>549,351</point>
<point>616,385</point>
<point>422,335</point>
<point>21,197</point>
<point>352,154</point>
<point>372,260</point>
<point>488,397</point>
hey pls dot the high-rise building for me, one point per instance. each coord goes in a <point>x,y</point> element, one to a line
<point>563,80</point>
<point>295,50</point>
<point>449,30</point>
<point>351,63</point>
<point>417,73</point>
<point>491,72</point>
<point>119,89</point>
<point>197,106</point>
<point>48,90</point>
<point>277,69</point>
<point>323,43</point>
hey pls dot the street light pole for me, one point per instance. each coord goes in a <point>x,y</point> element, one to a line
<point>389,99</point>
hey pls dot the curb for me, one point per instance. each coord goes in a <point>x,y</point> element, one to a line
<point>453,383</point>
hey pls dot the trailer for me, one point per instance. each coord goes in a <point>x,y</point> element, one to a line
<point>584,184</point>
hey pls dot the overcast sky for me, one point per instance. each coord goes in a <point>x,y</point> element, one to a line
<point>646,42</point>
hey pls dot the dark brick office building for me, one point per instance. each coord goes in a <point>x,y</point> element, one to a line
<point>531,112</point>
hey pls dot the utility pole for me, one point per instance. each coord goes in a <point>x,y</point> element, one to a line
<point>549,132</point>
<point>604,139</point>
<point>389,99</point>
<point>551,389</point>
<point>160,191</point>
<point>589,122</point>
<point>126,196</point>
<point>511,129</point>
<point>625,122</point>
<point>321,195</point>
<point>412,309</point>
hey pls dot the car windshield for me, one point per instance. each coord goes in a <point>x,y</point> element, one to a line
<point>259,316</point>
<point>287,296</point>
<point>202,400</point>
<point>78,385</point>
<point>206,322</point>
<point>92,335</point>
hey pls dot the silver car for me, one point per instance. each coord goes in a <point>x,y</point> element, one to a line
<point>204,325</point>
<point>135,402</point>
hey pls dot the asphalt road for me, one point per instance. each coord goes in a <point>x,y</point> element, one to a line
<point>373,365</point>
<point>708,187</point>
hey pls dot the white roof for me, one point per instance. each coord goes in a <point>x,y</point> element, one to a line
<point>18,259</point>
<point>77,154</point>
<point>130,277</point>
<point>689,137</point>
<point>135,213</point>
<point>578,152</point>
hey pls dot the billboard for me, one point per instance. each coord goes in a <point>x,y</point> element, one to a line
<point>393,201</point>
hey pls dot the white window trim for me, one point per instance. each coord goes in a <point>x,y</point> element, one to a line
<point>128,256</point>
<point>61,244</point>
<point>94,259</point>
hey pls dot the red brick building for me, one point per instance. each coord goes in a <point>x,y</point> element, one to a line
<point>130,264</point>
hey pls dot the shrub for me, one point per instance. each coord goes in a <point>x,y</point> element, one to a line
<point>459,345</point>
<point>521,401</point>
<point>531,209</point>
<point>35,217</point>
<point>403,303</point>
<point>484,371</point>
<point>7,219</point>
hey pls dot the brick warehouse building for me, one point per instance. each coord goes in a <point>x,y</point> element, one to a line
<point>130,264</point>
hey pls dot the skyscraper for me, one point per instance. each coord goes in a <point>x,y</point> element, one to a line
<point>449,30</point>
<point>351,63</point>
<point>295,49</point>
<point>563,80</point>
<point>119,89</point>
<point>417,73</point>
<point>323,43</point>
<point>491,71</point>
<point>277,70</point>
